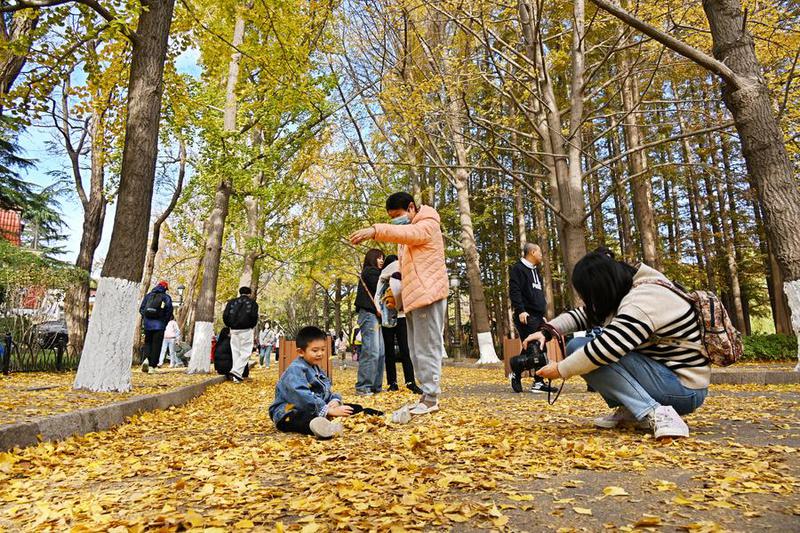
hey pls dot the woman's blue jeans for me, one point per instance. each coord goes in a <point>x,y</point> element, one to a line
<point>640,383</point>
<point>370,360</point>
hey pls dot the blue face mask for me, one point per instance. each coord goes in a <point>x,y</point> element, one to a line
<point>401,220</point>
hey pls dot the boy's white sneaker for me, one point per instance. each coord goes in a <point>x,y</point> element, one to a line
<point>323,428</point>
<point>402,415</point>
<point>666,422</point>
<point>620,416</point>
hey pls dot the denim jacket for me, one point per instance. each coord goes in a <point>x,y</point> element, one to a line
<point>302,386</point>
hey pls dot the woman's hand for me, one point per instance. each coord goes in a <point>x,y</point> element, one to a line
<point>362,235</point>
<point>538,336</point>
<point>549,371</point>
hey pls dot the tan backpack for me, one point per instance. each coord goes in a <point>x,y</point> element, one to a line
<point>722,341</point>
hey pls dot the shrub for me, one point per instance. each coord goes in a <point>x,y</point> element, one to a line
<point>775,347</point>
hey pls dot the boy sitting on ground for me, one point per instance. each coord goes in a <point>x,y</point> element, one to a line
<point>304,402</point>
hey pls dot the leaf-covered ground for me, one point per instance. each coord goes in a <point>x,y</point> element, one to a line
<point>24,396</point>
<point>489,460</point>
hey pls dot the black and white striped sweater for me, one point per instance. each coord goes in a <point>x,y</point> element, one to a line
<point>648,320</point>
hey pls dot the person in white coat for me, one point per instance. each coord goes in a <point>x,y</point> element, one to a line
<point>388,298</point>
<point>171,337</point>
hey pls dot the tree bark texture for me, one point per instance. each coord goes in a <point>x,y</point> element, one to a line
<point>641,184</point>
<point>105,363</point>
<point>126,252</point>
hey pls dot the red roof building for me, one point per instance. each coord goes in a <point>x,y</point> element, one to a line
<point>11,226</point>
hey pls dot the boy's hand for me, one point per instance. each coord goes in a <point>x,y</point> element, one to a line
<point>340,410</point>
<point>362,235</point>
<point>334,403</point>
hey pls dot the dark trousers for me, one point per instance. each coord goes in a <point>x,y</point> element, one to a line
<point>297,421</point>
<point>152,346</point>
<point>526,329</point>
<point>399,333</point>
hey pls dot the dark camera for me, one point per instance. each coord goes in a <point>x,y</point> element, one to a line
<point>532,358</point>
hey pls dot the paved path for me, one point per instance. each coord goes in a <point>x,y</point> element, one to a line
<point>490,459</point>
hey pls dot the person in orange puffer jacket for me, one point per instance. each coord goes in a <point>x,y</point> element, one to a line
<point>418,233</point>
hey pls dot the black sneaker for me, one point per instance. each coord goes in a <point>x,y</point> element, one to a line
<point>413,387</point>
<point>145,366</point>
<point>540,387</point>
<point>393,387</point>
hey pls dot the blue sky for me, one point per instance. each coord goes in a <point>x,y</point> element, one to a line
<point>34,142</point>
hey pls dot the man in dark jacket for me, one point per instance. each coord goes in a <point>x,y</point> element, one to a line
<point>527,298</point>
<point>156,311</point>
<point>241,316</point>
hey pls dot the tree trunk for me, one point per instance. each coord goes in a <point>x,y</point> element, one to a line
<point>155,237</point>
<point>204,312</point>
<point>255,230</point>
<point>76,300</point>
<point>206,300</point>
<point>472,260</point>
<point>547,261</point>
<point>567,161</point>
<point>624,228</point>
<point>337,307</point>
<point>15,45</point>
<point>641,185</point>
<point>106,359</point>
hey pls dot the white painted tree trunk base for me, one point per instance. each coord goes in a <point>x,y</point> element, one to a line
<point>792,290</point>
<point>486,347</point>
<point>200,363</point>
<point>105,364</point>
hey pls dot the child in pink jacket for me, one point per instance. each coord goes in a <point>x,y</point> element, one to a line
<point>418,233</point>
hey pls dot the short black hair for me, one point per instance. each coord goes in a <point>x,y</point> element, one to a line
<point>245,290</point>
<point>602,282</point>
<point>389,259</point>
<point>308,334</point>
<point>399,200</point>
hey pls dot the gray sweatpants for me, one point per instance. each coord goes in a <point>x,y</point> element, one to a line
<point>426,345</point>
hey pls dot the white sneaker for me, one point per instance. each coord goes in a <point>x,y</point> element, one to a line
<point>666,422</point>
<point>323,428</point>
<point>402,415</point>
<point>364,393</point>
<point>620,416</point>
<point>422,409</point>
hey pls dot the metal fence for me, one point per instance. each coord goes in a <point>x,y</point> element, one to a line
<point>25,354</point>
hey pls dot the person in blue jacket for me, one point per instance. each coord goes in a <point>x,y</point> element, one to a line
<point>304,401</point>
<point>156,311</point>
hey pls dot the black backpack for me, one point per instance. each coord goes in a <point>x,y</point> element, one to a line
<point>241,313</point>
<point>155,305</point>
<point>223,355</point>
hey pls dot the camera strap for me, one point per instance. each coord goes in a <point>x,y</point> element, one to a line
<point>559,338</point>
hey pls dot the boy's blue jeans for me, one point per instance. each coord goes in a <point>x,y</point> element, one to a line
<point>371,358</point>
<point>640,384</point>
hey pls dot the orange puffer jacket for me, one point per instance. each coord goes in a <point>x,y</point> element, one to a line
<point>421,254</point>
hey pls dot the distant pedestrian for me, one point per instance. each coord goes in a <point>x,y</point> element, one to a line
<point>171,336</point>
<point>156,311</point>
<point>525,290</point>
<point>241,316</point>
<point>393,326</point>
<point>266,342</point>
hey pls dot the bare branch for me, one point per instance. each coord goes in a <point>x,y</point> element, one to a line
<point>689,52</point>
